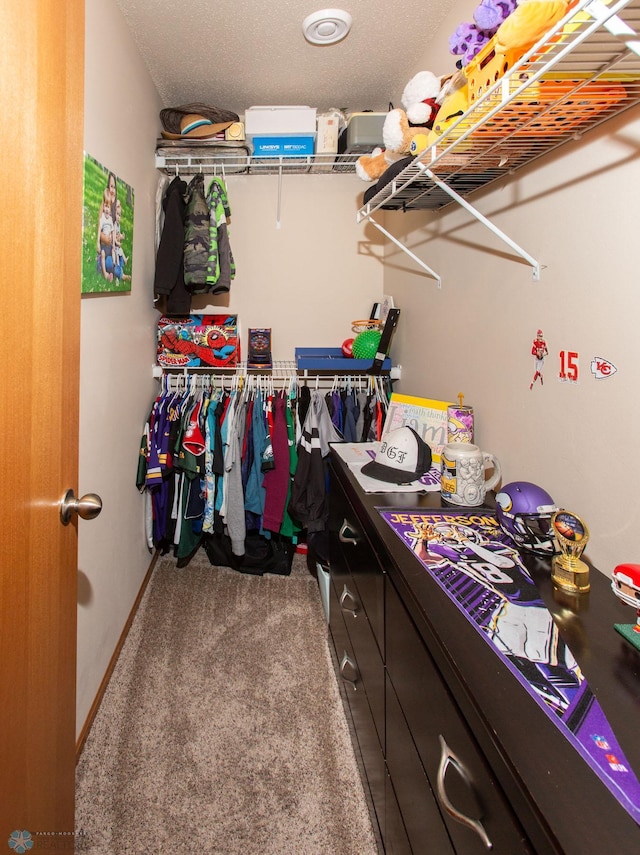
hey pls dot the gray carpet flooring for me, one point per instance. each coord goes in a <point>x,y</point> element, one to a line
<point>222,730</point>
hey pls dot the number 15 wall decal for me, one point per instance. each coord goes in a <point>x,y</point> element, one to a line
<point>569,366</point>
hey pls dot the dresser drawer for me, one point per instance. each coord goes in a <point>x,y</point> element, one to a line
<point>370,665</point>
<point>419,807</point>
<point>349,540</point>
<point>363,730</point>
<point>396,841</point>
<point>456,769</point>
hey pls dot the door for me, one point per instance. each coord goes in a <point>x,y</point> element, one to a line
<point>41,134</point>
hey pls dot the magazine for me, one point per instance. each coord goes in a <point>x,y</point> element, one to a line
<point>426,416</point>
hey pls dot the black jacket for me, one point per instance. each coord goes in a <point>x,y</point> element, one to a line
<point>169,290</point>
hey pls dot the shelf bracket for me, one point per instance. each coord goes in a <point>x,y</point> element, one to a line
<point>407,251</point>
<point>535,265</point>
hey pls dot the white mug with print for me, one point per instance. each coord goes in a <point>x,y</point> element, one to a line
<point>463,479</point>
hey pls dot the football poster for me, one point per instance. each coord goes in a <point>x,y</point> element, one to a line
<point>476,564</point>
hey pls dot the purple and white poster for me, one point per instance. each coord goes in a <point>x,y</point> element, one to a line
<point>475,562</point>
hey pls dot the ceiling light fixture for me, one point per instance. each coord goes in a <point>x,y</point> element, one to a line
<point>326,27</point>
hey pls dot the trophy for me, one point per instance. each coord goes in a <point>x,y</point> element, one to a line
<point>569,572</point>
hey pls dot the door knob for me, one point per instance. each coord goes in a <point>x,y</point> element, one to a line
<point>87,507</point>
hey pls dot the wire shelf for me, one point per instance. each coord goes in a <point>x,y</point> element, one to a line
<point>219,159</point>
<point>584,72</point>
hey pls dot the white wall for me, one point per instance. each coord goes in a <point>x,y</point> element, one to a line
<point>121,113</point>
<point>577,213</point>
<point>309,277</point>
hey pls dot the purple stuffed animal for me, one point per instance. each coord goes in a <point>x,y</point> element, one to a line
<point>469,39</point>
<point>491,13</point>
<point>466,42</point>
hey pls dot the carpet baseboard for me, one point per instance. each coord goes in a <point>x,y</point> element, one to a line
<point>95,706</point>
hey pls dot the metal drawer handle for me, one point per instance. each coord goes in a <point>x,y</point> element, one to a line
<point>345,529</point>
<point>343,596</point>
<point>347,661</point>
<point>448,757</point>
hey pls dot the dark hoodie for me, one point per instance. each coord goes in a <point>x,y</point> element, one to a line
<point>170,294</point>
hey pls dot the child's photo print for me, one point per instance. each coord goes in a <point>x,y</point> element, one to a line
<point>107,230</point>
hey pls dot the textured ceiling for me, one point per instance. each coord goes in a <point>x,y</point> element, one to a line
<point>239,53</point>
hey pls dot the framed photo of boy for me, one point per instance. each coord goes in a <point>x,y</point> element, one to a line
<point>107,230</point>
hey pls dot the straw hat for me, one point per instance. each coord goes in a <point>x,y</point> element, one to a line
<point>197,121</point>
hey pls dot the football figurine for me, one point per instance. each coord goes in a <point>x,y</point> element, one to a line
<point>625,584</point>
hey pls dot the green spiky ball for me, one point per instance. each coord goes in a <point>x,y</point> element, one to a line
<point>365,344</point>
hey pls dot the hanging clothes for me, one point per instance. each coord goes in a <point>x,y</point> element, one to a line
<point>221,268</point>
<point>196,237</point>
<point>235,470</point>
<point>194,251</point>
<point>276,479</point>
<point>351,414</point>
<point>233,505</point>
<point>290,528</point>
<point>255,493</point>
<point>308,505</point>
<point>169,291</point>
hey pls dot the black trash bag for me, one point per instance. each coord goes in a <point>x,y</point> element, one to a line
<point>262,555</point>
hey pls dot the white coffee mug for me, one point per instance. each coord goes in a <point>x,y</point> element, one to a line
<point>463,479</point>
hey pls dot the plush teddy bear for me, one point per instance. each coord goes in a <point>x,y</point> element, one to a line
<point>369,167</point>
<point>397,135</point>
<point>420,100</point>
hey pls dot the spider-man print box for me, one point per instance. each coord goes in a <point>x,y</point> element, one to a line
<point>198,341</point>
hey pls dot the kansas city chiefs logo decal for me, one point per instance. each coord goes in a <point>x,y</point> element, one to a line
<point>602,368</point>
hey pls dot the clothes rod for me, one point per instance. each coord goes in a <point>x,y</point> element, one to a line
<point>284,370</point>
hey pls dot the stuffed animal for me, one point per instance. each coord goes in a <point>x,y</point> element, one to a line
<point>469,38</point>
<point>420,98</point>
<point>528,23</point>
<point>369,167</point>
<point>466,41</point>
<point>491,13</point>
<point>397,135</point>
<point>455,103</point>
<point>421,101</point>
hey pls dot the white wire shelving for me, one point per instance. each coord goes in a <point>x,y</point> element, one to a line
<point>583,72</point>
<point>236,158</point>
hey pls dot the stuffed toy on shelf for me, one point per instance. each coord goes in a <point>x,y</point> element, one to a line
<point>397,135</point>
<point>529,22</point>
<point>469,38</point>
<point>420,105</point>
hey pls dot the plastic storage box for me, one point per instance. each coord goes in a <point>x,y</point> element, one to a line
<point>280,121</point>
<point>362,134</point>
<point>280,146</point>
<point>332,359</point>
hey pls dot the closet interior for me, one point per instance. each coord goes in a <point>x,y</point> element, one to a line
<point>235,460</point>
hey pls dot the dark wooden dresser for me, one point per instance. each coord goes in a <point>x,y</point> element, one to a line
<point>456,756</point>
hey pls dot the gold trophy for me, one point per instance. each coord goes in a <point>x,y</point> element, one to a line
<point>569,572</point>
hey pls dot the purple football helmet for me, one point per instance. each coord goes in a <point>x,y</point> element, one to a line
<point>524,512</point>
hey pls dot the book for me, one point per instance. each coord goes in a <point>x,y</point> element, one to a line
<point>427,416</point>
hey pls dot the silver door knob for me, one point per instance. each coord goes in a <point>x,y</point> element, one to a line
<point>87,507</point>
